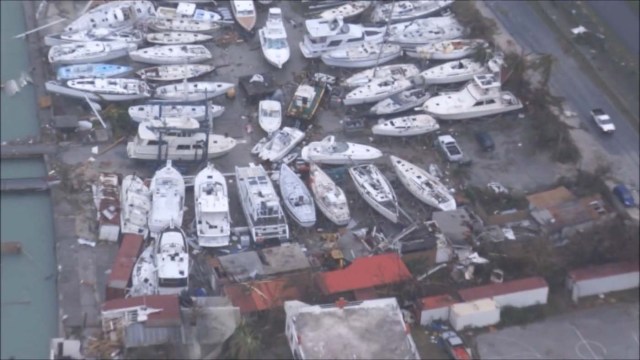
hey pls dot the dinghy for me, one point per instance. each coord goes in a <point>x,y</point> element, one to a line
<point>245,13</point>
<point>88,52</point>
<point>144,279</point>
<point>395,72</point>
<point>182,25</point>
<point>330,198</point>
<point>363,55</point>
<point>135,202</point>
<point>375,190</point>
<point>453,71</point>
<point>171,54</point>
<point>407,10</point>
<point>131,36</point>
<point>348,10</point>
<point>280,143</point>
<point>213,221</point>
<point>273,39</point>
<point>171,255</point>
<point>91,71</point>
<point>192,91</point>
<point>426,187</point>
<point>402,101</point>
<point>141,113</point>
<point>447,49</point>
<point>330,151</point>
<point>167,199</point>
<point>174,72</point>
<point>425,31</point>
<point>177,38</point>
<point>113,15</point>
<point>406,126</point>
<point>269,115</point>
<point>376,90</point>
<point>100,89</point>
<point>296,197</point>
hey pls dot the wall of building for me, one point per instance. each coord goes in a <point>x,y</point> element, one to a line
<point>480,318</point>
<point>430,315</point>
<point>523,298</point>
<point>603,285</point>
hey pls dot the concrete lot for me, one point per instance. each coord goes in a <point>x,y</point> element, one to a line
<point>604,332</point>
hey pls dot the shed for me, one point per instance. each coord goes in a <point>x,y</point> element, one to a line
<point>517,293</point>
<point>602,279</point>
<point>435,308</point>
<point>475,314</point>
<point>123,265</point>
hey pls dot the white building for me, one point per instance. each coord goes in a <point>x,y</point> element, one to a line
<point>479,313</point>
<point>517,293</point>
<point>602,279</point>
<point>370,329</point>
<point>435,308</point>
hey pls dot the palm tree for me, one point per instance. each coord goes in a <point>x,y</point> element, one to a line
<point>244,343</point>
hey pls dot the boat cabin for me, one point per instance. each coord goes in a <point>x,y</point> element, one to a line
<point>325,35</point>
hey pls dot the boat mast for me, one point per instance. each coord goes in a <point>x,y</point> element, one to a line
<point>384,39</point>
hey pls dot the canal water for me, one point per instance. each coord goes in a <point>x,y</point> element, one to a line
<point>28,291</point>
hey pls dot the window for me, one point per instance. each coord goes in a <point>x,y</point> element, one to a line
<point>334,43</point>
<point>361,38</point>
<point>183,147</point>
<point>153,142</point>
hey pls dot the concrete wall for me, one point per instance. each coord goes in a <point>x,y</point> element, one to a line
<point>480,318</point>
<point>523,298</point>
<point>427,316</point>
<point>603,285</point>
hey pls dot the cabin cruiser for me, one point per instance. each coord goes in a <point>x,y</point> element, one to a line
<point>280,144</point>
<point>406,126</point>
<point>261,205</point>
<point>402,101</point>
<point>167,199</point>
<point>171,54</point>
<point>213,221</point>
<point>113,15</point>
<point>91,71</point>
<point>273,39</point>
<point>176,38</point>
<point>375,190</point>
<point>408,10</point>
<point>347,10</point>
<point>141,113</point>
<point>88,52</point>
<point>245,13</point>
<point>323,35</point>
<point>101,89</point>
<point>174,72</point>
<point>426,187</point>
<point>424,31</point>
<point>447,49</point>
<point>453,71</point>
<point>269,115</point>
<point>395,72</point>
<point>182,25</point>
<point>126,35</point>
<point>135,202</point>
<point>171,255</point>
<point>296,197</point>
<point>330,151</point>
<point>376,90</point>
<point>363,55</point>
<point>330,198</point>
<point>192,91</point>
<point>481,97</point>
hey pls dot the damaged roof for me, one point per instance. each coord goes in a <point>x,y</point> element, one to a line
<point>266,294</point>
<point>169,316</point>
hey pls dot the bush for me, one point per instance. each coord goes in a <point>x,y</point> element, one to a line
<point>510,316</point>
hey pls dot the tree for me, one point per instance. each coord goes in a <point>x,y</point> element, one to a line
<point>244,343</point>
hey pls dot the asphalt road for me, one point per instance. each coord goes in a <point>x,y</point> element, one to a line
<point>567,80</point>
<point>622,20</point>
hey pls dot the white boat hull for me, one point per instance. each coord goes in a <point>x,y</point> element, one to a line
<point>406,173</point>
<point>144,279</point>
<point>296,198</point>
<point>135,199</point>
<point>150,55</point>
<point>57,88</point>
<point>269,115</point>
<point>325,190</point>
<point>406,126</point>
<point>371,93</point>
<point>268,153</point>
<point>176,92</point>
<point>395,72</point>
<point>177,38</point>
<point>389,213</point>
<point>92,58</point>
<point>466,114</point>
<point>397,103</point>
<point>141,113</point>
<point>219,145</point>
<point>167,200</point>
<point>319,152</point>
<point>360,63</point>
<point>174,72</point>
<point>212,209</point>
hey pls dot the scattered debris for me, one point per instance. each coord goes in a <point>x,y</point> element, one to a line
<point>82,241</point>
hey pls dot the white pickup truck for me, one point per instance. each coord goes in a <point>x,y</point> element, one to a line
<point>449,148</point>
<point>603,120</point>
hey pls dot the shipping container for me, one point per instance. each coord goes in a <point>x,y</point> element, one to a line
<point>475,314</point>
<point>602,279</point>
<point>516,293</point>
<point>122,268</point>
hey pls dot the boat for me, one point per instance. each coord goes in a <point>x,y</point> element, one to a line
<point>375,190</point>
<point>426,187</point>
<point>177,144</point>
<point>348,10</point>
<point>171,255</point>
<point>192,91</point>
<point>332,152</point>
<point>296,197</point>
<point>135,202</point>
<point>101,89</point>
<point>167,199</point>
<point>174,72</point>
<point>71,72</point>
<point>273,39</point>
<point>447,49</point>
<point>182,25</point>
<point>213,221</point>
<point>376,90</point>
<point>453,71</point>
<point>145,112</point>
<point>269,115</point>
<point>144,278</point>
<point>395,72</point>
<point>406,126</point>
<point>363,55</point>
<point>402,101</point>
<point>113,15</point>
<point>88,52</point>
<point>177,38</point>
<point>330,198</point>
<point>424,31</point>
<point>245,13</point>
<point>323,35</point>
<point>187,11</point>
<point>305,101</point>
<point>261,205</point>
<point>408,10</point>
<point>126,35</point>
<point>280,144</point>
<point>480,97</point>
<point>255,150</point>
<point>171,54</point>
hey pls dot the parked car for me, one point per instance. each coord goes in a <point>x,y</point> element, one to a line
<point>624,195</point>
<point>449,148</point>
<point>603,120</point>
<point>485,140</point>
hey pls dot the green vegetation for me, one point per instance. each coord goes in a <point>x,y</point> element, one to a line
<point>243,344</point>
<point>510,316</point>
<point>118,117</point>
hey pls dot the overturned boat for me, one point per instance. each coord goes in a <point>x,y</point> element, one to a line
<point>174,72</point>
<point>406,126</point>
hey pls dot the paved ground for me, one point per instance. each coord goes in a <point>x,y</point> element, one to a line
<point>604,332</point>
<point>620,16</point>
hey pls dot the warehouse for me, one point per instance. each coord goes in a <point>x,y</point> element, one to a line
<point>602,279</point>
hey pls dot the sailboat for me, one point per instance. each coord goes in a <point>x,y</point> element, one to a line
<point>213,221</point>
<point>395,72</point>
<point>192,91</point>
<point>330,198</point>
<point>375,190</point>
<point>423,185</point>
<point>296,197</point>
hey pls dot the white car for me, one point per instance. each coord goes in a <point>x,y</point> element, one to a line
<point>603,120</point>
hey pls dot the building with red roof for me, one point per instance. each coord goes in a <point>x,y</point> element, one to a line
<point>594,280</point>
<point>517,293</point>
<point>435,308</point>
<point>123,264</point>
<point>265,294</point>
<point>364,274</point>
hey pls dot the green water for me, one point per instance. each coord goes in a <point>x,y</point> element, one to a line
<point>28,290</point>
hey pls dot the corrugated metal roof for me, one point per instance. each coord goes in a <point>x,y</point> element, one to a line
<point>507,287</point>
<point>438,301</point>
<point>263,295</point>
<point>125,261</point>
<point>602,271</point>
<point>170,314</point>
<point>363,273</point>
<point>139,335</point>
